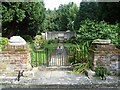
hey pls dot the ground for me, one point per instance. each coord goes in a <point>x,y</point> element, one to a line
<point>59,79</point>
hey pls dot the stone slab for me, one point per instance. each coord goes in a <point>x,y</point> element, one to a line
<point>58,78</point>
<point>16,40</point>
<point>101,41</point>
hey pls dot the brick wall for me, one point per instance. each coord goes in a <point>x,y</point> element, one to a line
<point>15,58</point>
<point>106,55</point>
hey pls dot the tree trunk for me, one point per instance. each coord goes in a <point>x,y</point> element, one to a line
<point>12,30</point>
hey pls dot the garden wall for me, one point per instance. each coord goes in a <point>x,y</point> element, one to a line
<point>59,34</point>
<point>14,58</point>
<point>106,55</point>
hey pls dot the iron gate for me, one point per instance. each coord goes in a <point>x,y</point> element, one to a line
<point>59,55</point>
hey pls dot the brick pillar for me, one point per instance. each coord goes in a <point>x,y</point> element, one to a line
<point>106,55</point>
<point>14,58</point>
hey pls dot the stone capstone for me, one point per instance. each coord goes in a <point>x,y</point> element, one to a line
<point>16,40</point>
<point>101,41</point>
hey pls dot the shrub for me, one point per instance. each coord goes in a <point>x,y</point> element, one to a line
<point>39,42</point>
<point>81,68</point>
<point>51,41</point>
<point>83,51</point>
<point>100,70</point>
<point>94,30</point>
<point>56,40</point>
<point>3,42</point>
<point>90,30</point>
<point>72,40</point>
<point>44,43</point>
<point>27,38</point>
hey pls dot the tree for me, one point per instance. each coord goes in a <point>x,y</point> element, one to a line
<point>61,19</point>
<point>109,12</point>
<point>72,14</point>
<point>22,17</point>
<point>87,10</point>
<point>11,16</point>
<point>50,22</point>
<point>90,30</point>
<point>99,11</point>
<point>67,15</point>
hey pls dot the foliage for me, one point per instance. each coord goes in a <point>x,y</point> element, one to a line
<point>107,11</point>
<point>44,43</point>
<point>61,19</point>
<point>22,18</point>
<point>71,54</point>
<point>72,40</point>
<point>90,30</point>
<point>50,41</point>
<point>81,68</point>
<point>117,41</point>
<point>66,19</point>
<point>82,52</point>
<point>93,30</point>
<point>53,41</point>
<point>38,41</point>
<point>80,55</point>
<point>28,38</point>
<point>50,22</point>
<point>37,57</point>
<point>3,42</point>
<point>100,70</point>
<point>87,10</point>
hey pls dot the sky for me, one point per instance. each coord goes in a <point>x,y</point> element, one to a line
<point>51,4</point>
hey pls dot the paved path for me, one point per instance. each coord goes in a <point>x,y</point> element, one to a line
<point>58,57</point>
<point>49,78</point>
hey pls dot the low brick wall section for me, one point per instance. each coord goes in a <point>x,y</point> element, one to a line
<point>15,58</point>
<point>108,56</point>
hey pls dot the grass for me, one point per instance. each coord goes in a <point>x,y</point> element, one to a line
<point>68,44</point>
<point>53,44</point>
<point>39,57</point>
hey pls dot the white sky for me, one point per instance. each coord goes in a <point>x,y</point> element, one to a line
<point>51,4</point>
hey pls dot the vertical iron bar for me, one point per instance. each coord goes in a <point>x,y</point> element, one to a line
<point>43,57</point>
<point>51,58</point>
<point>47,57</point>
<point>36,58</point>
<point>74,55</point>
<point>62,57</point>
<point>40,60</point>
<point>39,54</point>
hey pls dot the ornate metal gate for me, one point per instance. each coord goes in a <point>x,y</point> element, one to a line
<point>51,56</point>
<point>58,56</point>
